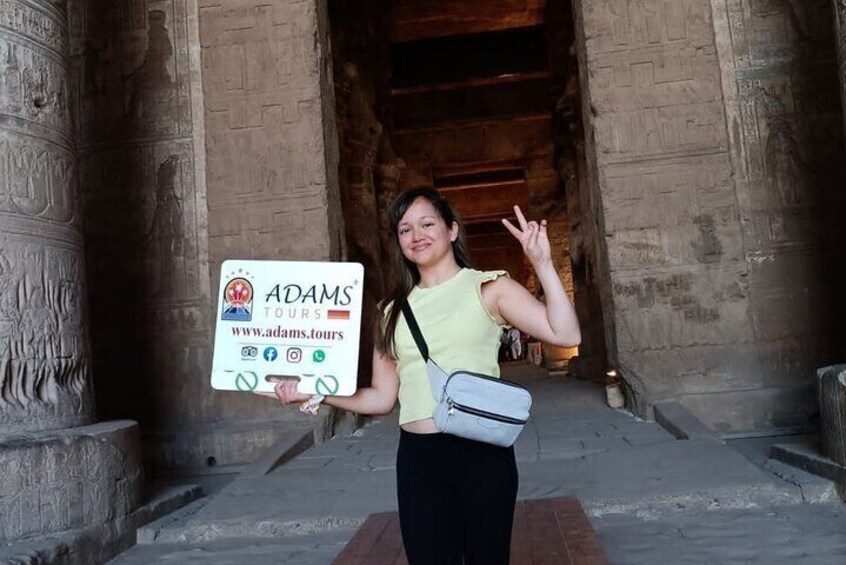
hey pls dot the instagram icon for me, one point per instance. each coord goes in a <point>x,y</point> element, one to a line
<point>294,355</point>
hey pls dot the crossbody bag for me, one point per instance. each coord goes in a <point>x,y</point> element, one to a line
<point>471,405</point>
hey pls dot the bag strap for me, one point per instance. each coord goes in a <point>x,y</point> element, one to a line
<point>437,376</point>
<point>415,330</point>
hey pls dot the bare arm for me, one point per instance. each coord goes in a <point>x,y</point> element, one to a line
<point>554,322</point>
<point>379,398</point>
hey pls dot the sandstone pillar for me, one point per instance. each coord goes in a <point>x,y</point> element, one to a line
<point>58,472</point>
<point>45,364</point>
<point>669,265</point>
<point>700,116</point>
<point>142,171</point>
<point>780,94</point>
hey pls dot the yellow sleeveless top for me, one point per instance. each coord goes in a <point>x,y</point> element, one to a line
<point>461,334</point>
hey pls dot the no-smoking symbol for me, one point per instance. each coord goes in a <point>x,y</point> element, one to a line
<point>246,381</point>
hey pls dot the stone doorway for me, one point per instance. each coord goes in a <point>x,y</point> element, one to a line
<point>480,100</point>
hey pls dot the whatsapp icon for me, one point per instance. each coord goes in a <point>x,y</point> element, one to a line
<point>318,356</point>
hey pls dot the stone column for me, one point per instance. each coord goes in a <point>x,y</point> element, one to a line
<point>44,339</point>
<point>840,37</point>
<point>670,269</point>
<point>59,474</point>
<point>711,131</point>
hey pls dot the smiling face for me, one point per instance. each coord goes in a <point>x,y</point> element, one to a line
<point>424,237</point>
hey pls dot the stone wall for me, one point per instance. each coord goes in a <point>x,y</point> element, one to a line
<point>45,362</point>
<point>270,134</point>
<point>696,307</point>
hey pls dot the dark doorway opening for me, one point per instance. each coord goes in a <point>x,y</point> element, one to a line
<point>480,100</point>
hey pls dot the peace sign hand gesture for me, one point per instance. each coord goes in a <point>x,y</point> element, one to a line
<point>532,237</point>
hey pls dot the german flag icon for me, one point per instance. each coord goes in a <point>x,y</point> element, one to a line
<point>338,314</point>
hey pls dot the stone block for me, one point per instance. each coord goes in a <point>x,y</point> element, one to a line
<point>789,408</point>
<point>286,448</point>
<point>200,449</point>
<point>97,543</point>
<point>69,479</point>
<point>808,457</point>
<point>677,420</point>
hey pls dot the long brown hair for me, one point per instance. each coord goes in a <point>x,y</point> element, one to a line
<point>406,272</point>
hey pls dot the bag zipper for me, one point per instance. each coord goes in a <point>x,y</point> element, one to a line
<point>453,406</point>
<point>503,381</point>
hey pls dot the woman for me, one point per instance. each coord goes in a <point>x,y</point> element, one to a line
<point>456,496</point>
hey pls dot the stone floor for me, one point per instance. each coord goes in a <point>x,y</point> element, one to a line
<point>813,534</point>
<point>651,498</point>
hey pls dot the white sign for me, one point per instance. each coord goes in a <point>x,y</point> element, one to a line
<point>288,318</point>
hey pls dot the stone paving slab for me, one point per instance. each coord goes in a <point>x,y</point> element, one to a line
<point>814,489</point>
<point>646,479</point>
<point>798,534</point>
<point>808,456</point>
<point>318,549</point>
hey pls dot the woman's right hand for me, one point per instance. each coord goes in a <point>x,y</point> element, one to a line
<point>287,393</point>
<point>532,237</point>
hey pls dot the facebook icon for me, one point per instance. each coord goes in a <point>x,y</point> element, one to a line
<point>270,354</point>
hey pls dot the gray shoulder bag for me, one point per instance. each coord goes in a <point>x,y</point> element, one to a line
<point>470,405</point>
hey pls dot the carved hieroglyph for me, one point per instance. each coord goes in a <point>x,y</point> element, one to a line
<point>44,343</point>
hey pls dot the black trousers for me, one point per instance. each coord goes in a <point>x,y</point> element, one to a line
<point>456,500</point>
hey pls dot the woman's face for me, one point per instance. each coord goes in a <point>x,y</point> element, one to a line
<point>423,235</point>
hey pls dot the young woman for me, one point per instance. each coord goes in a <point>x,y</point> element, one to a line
<point>456,496</point>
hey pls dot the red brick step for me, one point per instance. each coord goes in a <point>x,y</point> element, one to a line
<point>552,531</point>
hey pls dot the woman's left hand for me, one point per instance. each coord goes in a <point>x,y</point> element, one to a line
<point>532,237</point>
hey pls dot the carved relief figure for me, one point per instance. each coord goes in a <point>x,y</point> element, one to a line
<point>10,81</point>
<point>784,161</point>
<point>786,168</point>
<point>35,90</point>
<point>37,182</point>
<point>91,61</point>
<point>797,13</point>
<point>32,85</point>
<point>28,167</point>
<point>39,328</point>
<point>164,242</point>
<point>152,74</point>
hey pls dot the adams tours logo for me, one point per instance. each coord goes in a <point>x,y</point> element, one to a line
<point>238,298</point>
